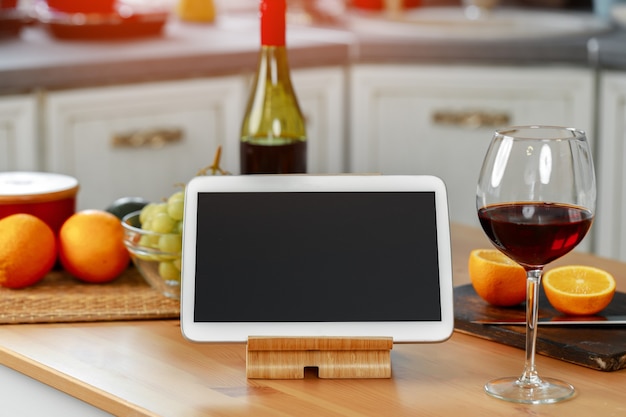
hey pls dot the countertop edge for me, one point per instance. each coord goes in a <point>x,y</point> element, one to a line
<point>70,385</point>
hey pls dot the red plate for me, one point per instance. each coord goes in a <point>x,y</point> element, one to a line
<point>125,21</point>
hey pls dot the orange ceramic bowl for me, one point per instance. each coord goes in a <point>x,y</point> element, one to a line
<point>51,197</point>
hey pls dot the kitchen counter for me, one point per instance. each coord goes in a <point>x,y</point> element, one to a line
<point>36,60</point>
<point>570,51</point>
<point>230,46</point>
<point>146,368</point>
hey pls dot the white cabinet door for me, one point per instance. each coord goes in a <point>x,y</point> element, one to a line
<point>141,140</point>
<point>439,120</point>
<point>18,138</point>
<point>321,94</point>
<point>611,171</point>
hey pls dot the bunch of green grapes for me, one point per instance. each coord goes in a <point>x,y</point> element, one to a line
<point>166,219</point>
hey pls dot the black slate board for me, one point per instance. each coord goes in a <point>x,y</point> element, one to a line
<point>601,348</point>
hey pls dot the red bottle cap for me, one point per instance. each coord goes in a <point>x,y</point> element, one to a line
<point>273,22</point>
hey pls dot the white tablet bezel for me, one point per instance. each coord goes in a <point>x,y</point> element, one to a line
<point>410,331</point>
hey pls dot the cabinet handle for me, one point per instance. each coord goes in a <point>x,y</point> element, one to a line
<point>472,119</point>
<point>149,138</point>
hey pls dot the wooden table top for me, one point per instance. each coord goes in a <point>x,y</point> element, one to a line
<point>146,368</point>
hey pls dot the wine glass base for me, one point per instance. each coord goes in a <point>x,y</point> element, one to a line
<point>540,391</point>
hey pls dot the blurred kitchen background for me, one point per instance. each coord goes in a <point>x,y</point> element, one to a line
<point>132,97</point>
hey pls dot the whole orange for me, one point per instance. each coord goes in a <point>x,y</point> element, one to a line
<point>91,246</point>
<point>496,278</point>
<point>28,250</point>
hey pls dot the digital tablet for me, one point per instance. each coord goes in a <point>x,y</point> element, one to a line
<point>312,256</point>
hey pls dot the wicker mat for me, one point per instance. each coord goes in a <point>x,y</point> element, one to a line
<point>61,298</point>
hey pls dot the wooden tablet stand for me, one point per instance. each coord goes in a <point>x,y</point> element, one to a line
<point>335,357</point>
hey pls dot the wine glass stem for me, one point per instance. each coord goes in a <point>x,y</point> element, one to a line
<point>532,311</point>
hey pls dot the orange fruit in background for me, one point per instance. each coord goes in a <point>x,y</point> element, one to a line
<point>91,246</point>
<point>578,290</point>
<point>496,278</point>
<point>28,250</point>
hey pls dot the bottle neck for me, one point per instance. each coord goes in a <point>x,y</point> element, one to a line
<point>273,14</point>
<point>274,66</point>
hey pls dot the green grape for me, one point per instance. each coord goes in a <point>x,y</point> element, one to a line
<point>179,227</point>
<point>177,263</point>
<point>168,271</point>
<point>179,195</point>
<point>161,258</point>
<point>176,207</point>
<point>158,208</point>
<point>147,224</point>
<point>162,223</point>
<point>170,243</point>
<point>150,241</point>
<point>147,212</point>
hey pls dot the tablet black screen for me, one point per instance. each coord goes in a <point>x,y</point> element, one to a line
<point>317,257</point>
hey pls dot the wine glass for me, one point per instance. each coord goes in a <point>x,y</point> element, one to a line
<point>536,200</point>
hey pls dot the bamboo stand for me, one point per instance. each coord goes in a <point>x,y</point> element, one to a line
<point>335,357</point>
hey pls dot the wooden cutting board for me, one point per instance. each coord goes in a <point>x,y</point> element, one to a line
<point>602,348</point>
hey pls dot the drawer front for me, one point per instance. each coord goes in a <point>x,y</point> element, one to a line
<point>440,120</point>
<point>142,140</point>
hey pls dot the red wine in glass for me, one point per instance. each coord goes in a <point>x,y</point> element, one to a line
<point>535,233</point>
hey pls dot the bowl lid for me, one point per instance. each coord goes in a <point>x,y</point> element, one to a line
<point>36,186</point>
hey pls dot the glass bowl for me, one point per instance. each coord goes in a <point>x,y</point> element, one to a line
<point>161,269</point>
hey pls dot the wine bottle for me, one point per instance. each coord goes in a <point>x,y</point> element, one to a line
<point>273,132</point>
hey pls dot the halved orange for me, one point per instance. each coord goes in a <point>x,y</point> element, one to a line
<point>496,278</point>
<point>578,289</point>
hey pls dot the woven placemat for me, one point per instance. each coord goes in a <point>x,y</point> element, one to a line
<point>61,298</point>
